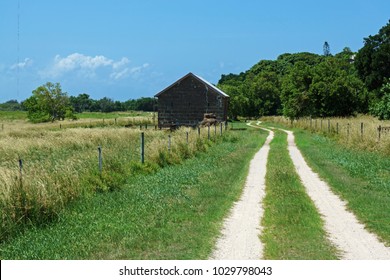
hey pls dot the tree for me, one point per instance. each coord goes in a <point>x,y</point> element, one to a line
<point>47,103</point>
<point>373,60</point>
<point>11,105</point>
<point>295,95</point>
<point>382,108</point>
<point>81,103</point>
<point>326,49</point>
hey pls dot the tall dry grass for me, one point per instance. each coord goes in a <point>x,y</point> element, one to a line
<point>356,132</point>
<point>60,165</point>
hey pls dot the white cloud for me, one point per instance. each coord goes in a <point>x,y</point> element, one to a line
<point>22,65</point>
<point>87,66</point>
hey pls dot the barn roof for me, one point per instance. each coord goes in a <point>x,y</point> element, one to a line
<point>199,79</point>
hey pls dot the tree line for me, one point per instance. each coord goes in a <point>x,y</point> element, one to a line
<point>306,84</point>
<point>49,103</point>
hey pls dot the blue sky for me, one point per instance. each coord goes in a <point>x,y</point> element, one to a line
<point>129,49</point>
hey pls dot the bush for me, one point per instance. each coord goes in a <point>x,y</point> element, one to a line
<point>382,108</point>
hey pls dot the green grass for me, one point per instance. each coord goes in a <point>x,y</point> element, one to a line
<point>13,115</point>
<point>174,213</point>
<point>361,178</point>
<point>293,228</point>
<point>113,115</point>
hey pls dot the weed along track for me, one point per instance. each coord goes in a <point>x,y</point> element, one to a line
<point>241,230</point>
<point>343,228</point>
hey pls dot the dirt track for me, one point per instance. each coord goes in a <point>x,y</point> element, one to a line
<point>241,231</point>
<point>345,231</point>
<point>240,235</point>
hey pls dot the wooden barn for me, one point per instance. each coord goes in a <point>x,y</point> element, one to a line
<point>188,100</point>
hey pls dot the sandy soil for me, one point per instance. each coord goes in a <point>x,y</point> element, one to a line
<point>240,235</point>
<point>344,230</point>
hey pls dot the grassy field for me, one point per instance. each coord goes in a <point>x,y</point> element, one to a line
<point>293,229</point>
<point>361,178</point>
<point>356,169</point>
<point>60,165</point>
<point>172,213</point>
<point>358,133</point>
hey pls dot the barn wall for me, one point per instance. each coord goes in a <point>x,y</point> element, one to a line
<point>187,101</point>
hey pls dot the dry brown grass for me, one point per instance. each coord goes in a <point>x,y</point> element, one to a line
<point>60,165</point>
<point>348,131</point>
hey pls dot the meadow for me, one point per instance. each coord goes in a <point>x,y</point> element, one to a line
<point>354,162</point>
<point>44,167</point>
<point>171,207</point>
<point>359,133</point>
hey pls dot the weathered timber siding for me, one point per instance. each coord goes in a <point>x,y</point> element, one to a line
<point>186,101</point>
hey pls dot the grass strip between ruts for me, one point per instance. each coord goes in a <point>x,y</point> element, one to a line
<point>293,228</point>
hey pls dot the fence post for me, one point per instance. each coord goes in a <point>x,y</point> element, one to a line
<point>115,121</point>
<point>187,137</point>
<point>347,132</point>
<point>215,130</point>
<point>198,131</point>
<point>362,129</point>
<point>379,133</point>
<point>221,128</point>
<point>100,160</point>
<point>142,148</point>
<point>20,168</point>
<point>169,143</point>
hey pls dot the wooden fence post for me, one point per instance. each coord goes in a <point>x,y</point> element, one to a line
<point>169,143</point>
<point>221,128</point>
<point>187,137</point>
<point>198,131</point>
<point>100,160</point>
<point>20,168</point>
<point>347,132</point>
<point>379,133</point>
<point>361,129</point>
<point>142,148</point>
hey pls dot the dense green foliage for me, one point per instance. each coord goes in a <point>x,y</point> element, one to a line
<point>307,84</point>
<point>11,105</point>
<point>373,60</point>
<point>48,103</point>
<point>382,108</point>
<point>297,85</point>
